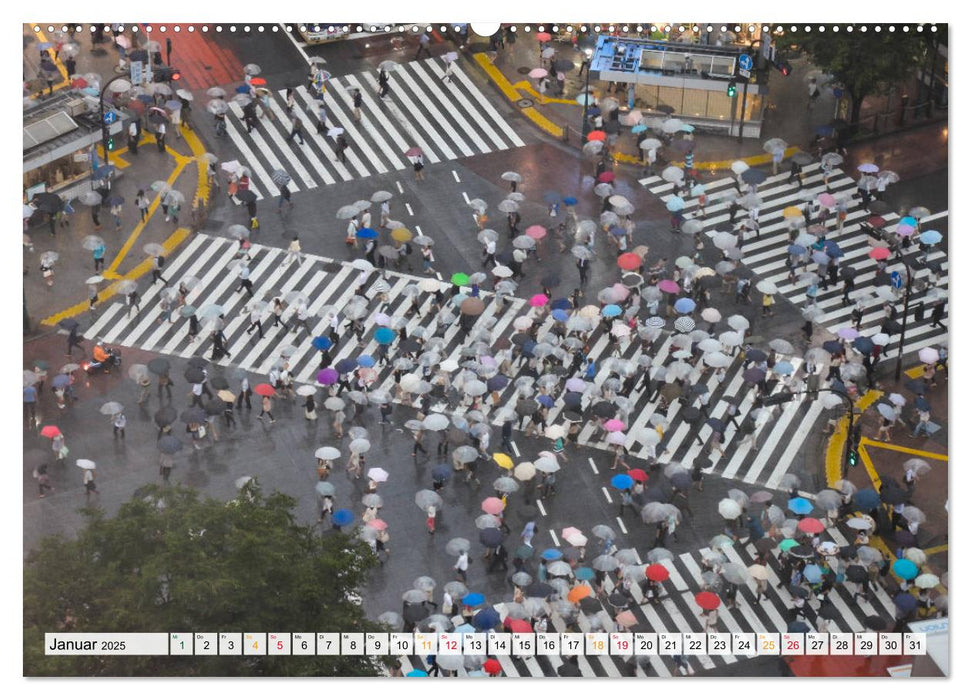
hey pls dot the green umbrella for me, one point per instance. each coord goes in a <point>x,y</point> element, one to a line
<point>460,278</point>
<point>788,544</point>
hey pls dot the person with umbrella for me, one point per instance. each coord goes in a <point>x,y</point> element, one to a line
<point>266,408</point>
<point>88,481</point>
<point>74,338</point>
<point>119,422</point>
<point>461,567</point>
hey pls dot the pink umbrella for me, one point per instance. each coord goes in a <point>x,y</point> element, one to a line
<point>904,229</point>
<point>539,300</point>
<point>669,286</point>
<point>492,505</point>
<point>879,253</point>
<point>536,232</point>
<point>543,36</point>
<point>620,291</point>
<point>538,73</point>
<point>377,524</point>
<point>848,333</point>
<point>810,525</point>
<point>827,200</point>
<point>613,425</point>
<point>367,375</point>
<point>626,619</point>
<point>413,152</point>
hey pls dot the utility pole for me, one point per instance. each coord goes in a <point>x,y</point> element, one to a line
<point>741,116</point>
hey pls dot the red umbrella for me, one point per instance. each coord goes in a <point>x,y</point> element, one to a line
<point>264,390</point>
<point>257,81</point>
<point>492,505</point>
<point>50,431</point>
<point>607,176</point>
<point>597,136</point>
<point>879,253</point>
<point>136,106</point>
<point>657,572</point>
<point>520,626</point>
<point>876,221</point>
<point>79,83</point>
<point>810,525</point>
<point>492,667</point>
<point>543,36</point>
<point>708,600</point>
<point>629,261</point>
<point>637,474</point>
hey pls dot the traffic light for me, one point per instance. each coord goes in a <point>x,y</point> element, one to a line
<point>732,88</point>
<point>165,74</point>
<point>784,67</point>
<point>107,139</point>
<point>852,458</point>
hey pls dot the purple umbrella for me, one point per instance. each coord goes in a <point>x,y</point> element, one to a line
<point>327,376</point>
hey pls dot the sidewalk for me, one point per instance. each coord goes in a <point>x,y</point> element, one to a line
<point>910,153</point>
<point>125,258</point>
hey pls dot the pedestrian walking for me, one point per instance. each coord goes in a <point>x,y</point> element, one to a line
<point>462,566</point>
<point>119,421</point>
<point>157,265</point>
<point>142,202</point>
<point>245,394</point>
<point>357,99</point>
<point>419,166</point>
<point>244,280</point>
<point>383,84</point>
<point>341,148</point>
<point>89,486</point>
<point>160,137</point>
<point>423,42</point>
<point>133,136</point>
<point>266,408</point>
<point>296,130</point>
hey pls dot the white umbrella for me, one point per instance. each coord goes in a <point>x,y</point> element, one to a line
<point>729,509</point>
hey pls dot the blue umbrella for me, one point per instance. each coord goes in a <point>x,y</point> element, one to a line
<point>242,89</point>
<point>147,99</point>
<point>908,221</point>
<point>527,347</point>
<point>820,258</point>
<point>555,554</point>
<point>572,399</point>
<point>754,176</point>
<point>365,361</point>
<point>367,233</point>
<point>800,506</point>
<point>473,599</point>
<point>442,472</point>
<point>45,45</point>
<point>833,250</point>
<point>684,305</point>
<point>825,130</point>
<point>343,517</point>
<point>545,401</point>
<point>866,499</point>
<point>60,380</point>
<point>560,315</point>
<point>676,203</point>
<point>931,237</point>
<point>346,365</point>
<point>863,344</point>
<point>798,626</point>
<point>796,250</point>
<point>610,311</point>
<point>569,201</point>
<point>812,573</point>
<point>921,404</point>
<point>905,569</point>
<point>561,304</point>
<point>905,601</point>
<point>485,619</point>
<point>585,573</point>
<point>102,171</point>
<point>497,382</point>
<point>591,111</point>
<point>416,673</point>
<point>622,482</point>
<point>384,336</point>
<point>783,367</point>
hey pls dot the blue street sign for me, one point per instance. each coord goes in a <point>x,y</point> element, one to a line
<point>745,61</point>
<point>110,117</point>
<point>896,280</point>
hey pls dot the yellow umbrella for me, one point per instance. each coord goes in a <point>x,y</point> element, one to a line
<point>792,213</point>
<point>402,235</point>
<point>503,460</point>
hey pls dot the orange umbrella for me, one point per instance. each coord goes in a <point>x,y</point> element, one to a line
<point>578,593</point>
<point>597,136</point>
<point>257,81</point>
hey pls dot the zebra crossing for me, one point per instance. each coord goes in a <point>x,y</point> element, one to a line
<point>447,120</point>
<point>676,611</point>
<point>767,256</point>
<point>331,285</point>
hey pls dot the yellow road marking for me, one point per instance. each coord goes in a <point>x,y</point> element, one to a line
<point>834,450</point>
<point>56,61</point>
<point>936,550</point>
<point>900,448</point>
<point>142,268</point>
<point>543,99</point>
<point>870,469</point>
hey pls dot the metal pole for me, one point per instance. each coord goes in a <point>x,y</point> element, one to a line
<point>105,128</point>
<point>848,445</point>
<point>585,123</point>
<point>741,116</point>
<point>903,329</point>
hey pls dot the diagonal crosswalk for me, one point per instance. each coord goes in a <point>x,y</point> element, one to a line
<point>676,611</point>
<point>767,256</point>
<point>446,119</point>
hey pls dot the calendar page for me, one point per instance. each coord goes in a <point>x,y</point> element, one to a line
<point>509,349</point>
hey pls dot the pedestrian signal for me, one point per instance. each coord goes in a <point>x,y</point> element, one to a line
<point>732,88</point>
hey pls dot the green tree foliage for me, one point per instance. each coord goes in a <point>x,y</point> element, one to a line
<point>863,63</point>
<point>172,561</point>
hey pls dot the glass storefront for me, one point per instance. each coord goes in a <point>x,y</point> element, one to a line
<point>60,173</point>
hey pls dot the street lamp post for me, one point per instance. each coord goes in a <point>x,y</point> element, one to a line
<point>105,128</point>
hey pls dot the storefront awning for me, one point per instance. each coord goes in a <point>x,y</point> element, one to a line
<point>47,129</point>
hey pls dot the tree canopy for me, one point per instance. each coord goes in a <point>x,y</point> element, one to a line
<point>173,561</point>
<point>863,63</point>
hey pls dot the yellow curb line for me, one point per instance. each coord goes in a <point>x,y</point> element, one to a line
<point>900,448</point>
<point>834,450</point>
<point>870,469</point>
<point>57,61</point>
<point>514,95</point>
<point>712,164</point>
<point>142,268</point>
<point>170,244</point>
<point>542,99</point>
<point>936,550</point>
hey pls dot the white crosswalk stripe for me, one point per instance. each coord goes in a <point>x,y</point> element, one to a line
<point>330,284</point>
<point>676,611</point>
<point>447,120</point>
<point>767,256</point>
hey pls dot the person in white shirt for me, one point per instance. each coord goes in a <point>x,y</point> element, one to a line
<point>351,237</point>
<point>120,422</point>
<point>461,566</point>
<point>293,252</point>
<point>385,214</point>
<point>366,218</point>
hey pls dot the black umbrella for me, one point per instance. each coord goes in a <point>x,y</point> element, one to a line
<point>803,551</point>
<point>572,416</point>
<point>681,480</point>
<point>569,669</point>
<point>159,366</point>
<point>754,176</point>
<point>604,409</point>
<point>798,626</point>
<point>856,573</point>
<point>833,346</point>
<point>590,605</point>
<point>158,118</point>
<point>138,55</point>
<point>848,273</point>
<point>415,612</point>
<point>562,65</point>
<point>765,545</point>
<point>848,551</point>
<point>408,346</point>
<point>215,406</point>
<point>490,536</point>
<point>905,538</point>
<point>878,207</point>
<point>828,611</point>
<point>193,415</point>
<point>716,425</point>
<point>504,257</point>
<point>48,203</point>
<point>457,437</point>
<point>199,362</point>
<point>526,407</point>
<point>665,109</point>
<point>691,414</point>
<point>246,195</point>
<point>755,355</point>
<point>539,589</point>
<point>612,127</point>
<point>618,599</point>
<point>165,416</point>
<point>551,280</point>
<point>218,382</point>
<point>798,592</point>
<point>573,399</point>
<point>169,444</point>
<point>194,375</point>
<point>918,386</point>
<point>68,324</point>
<point>655,495</point>
<point>893,495</point>
<point>520,338</point>
<point>876,623</point>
